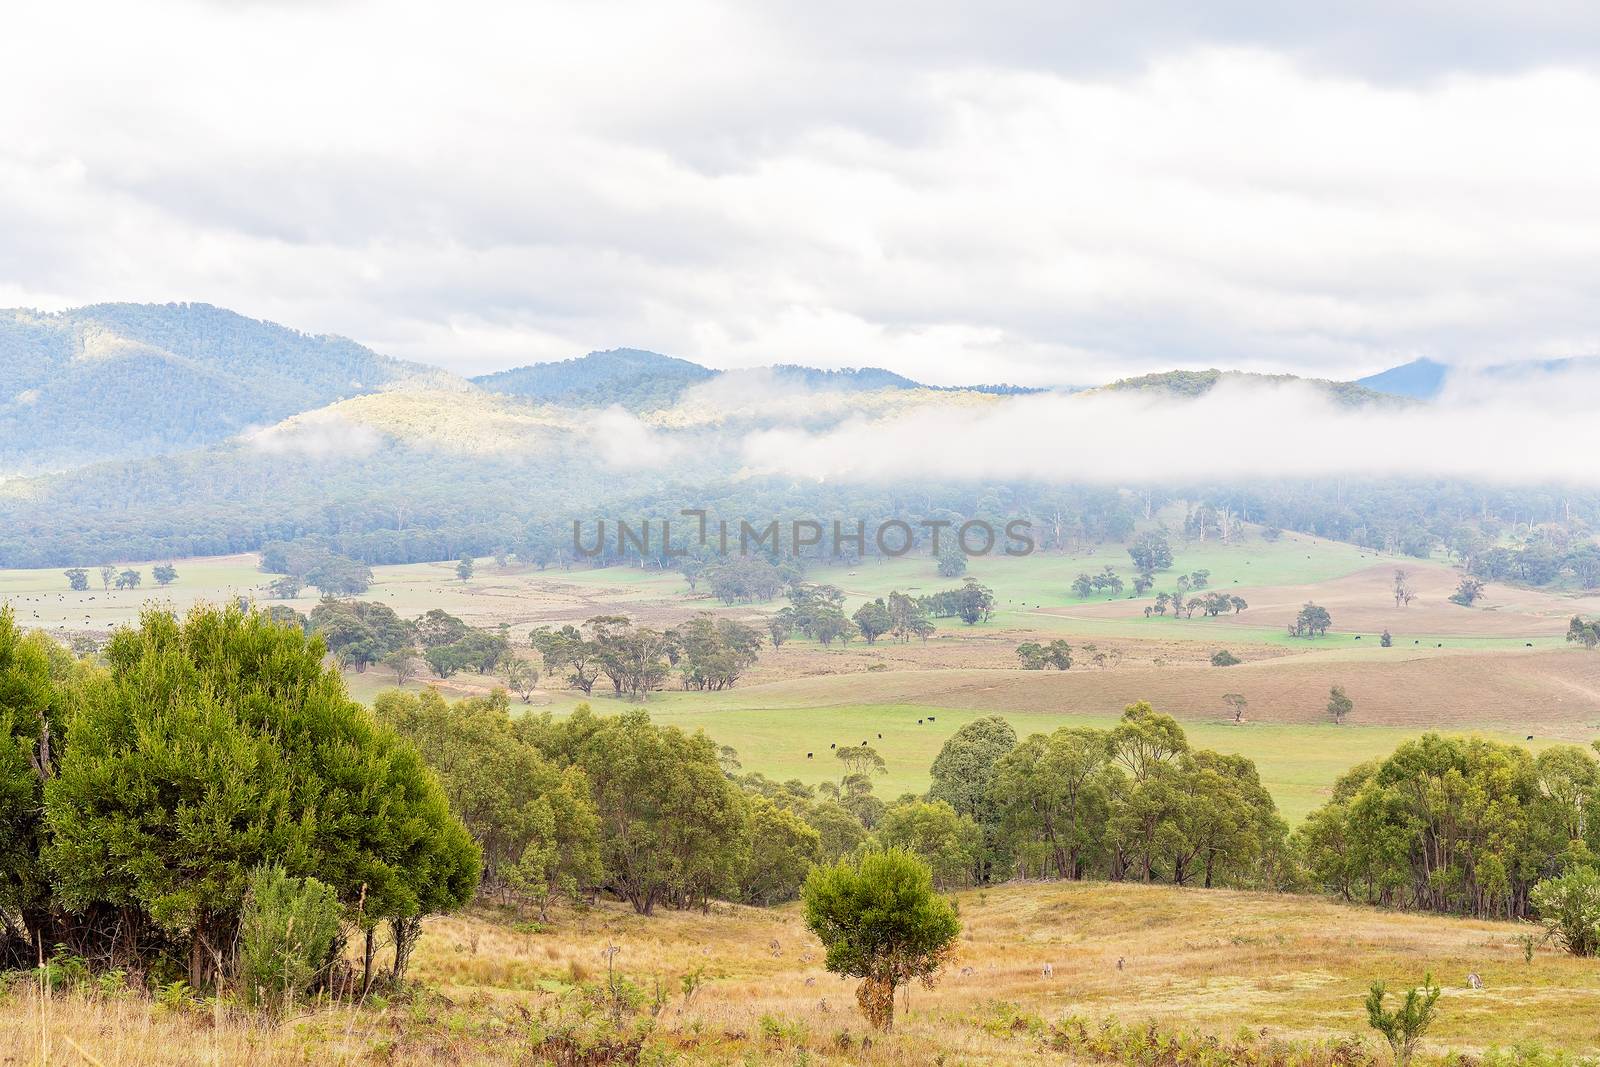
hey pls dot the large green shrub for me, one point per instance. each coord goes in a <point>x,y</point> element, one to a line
<point>219,744</point>
<point>1569,908</point>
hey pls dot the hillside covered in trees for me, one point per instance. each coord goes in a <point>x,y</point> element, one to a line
<point>123,380</point>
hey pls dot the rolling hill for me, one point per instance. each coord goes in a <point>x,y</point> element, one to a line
<point>117,381</point>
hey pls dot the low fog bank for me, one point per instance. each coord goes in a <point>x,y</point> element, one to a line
<point>1532,431</point>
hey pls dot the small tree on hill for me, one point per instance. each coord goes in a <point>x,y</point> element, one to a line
<point>1339,705</point>
<point>1386,639</point>
<point>880,920</point>
<point>1224,658</point>
<point>77,579</point>
<point>464,567</point>
<point>1313,621</point>
<point>1238,703</point>
<point>164,573</point>
<point>952,561</point>
<point>861,759</point>
<point>1404,1026</point>
<point>1469,590</point>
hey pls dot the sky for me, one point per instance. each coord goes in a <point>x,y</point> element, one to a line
<point>1039,193</point>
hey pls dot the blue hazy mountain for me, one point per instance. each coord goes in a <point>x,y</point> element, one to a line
<point>1425,379</point>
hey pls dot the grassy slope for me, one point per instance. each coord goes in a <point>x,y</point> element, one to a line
<point>1293,967</point>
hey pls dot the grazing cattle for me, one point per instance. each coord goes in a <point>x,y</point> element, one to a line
<point>808,755</point>
<point>1120,961</point>
<point>1049,970</point>
<point>1358,637</point>
<point>832,744</point>
<point>1530,737</point>
<point>1474,981</point>
<point>930,718</point>
<point>919,722</point>
<point>1528,645</point>
<point>880,737</point>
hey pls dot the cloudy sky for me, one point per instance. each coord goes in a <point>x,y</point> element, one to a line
<point>1047,192</point>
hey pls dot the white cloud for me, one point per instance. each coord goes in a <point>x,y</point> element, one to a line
<point>319,435</point>
<point>1028,192</point>
<point>1240,430</point>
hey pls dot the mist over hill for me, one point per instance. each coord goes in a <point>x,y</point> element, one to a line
<point>148,431</point>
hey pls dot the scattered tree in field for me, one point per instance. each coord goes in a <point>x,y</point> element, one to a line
<point>873,620</point>
<point>333,575</point>
<point>520,676</point>
<point>712,654</point>
<point>1404,1026</point>
<point>438,627</point>
<point>907,618</point>
<point>1467,591</point>
<point>635,658</point>
<point>1386,639</point>
<point>464,567</point>
<point>1339,705</point>
<point>164,574</point>
<point>1584,631</point>
<point>108,574</point>
<point>975,602</point>
<point>861,759</point>
<point>77,579</point>
<point>403,662</point>
<point>1313,621</point>
<point>1238,703</point>
<point>880,920</point>
<point>1224,658</point>
<point>1151,552</point>
<point>747,579</point>
<point>442,661</point>
<point>286,587</point>
<point>567,649</point>
<point>360,633</point>
<point>1403,594</point>
<point>952,560</point>
<point>1037,657</point>
<point>1569,908</point>
<point>129,579</point>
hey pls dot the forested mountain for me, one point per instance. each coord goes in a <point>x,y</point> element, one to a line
<point>121,380</point>
<point>1193,383</point>
<point>120,439</point>
<point>636,379</point>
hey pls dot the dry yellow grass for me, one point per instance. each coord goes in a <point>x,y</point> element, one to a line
<point>1297,967</point>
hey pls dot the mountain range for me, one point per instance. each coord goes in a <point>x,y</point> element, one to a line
<point>112,382</point>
